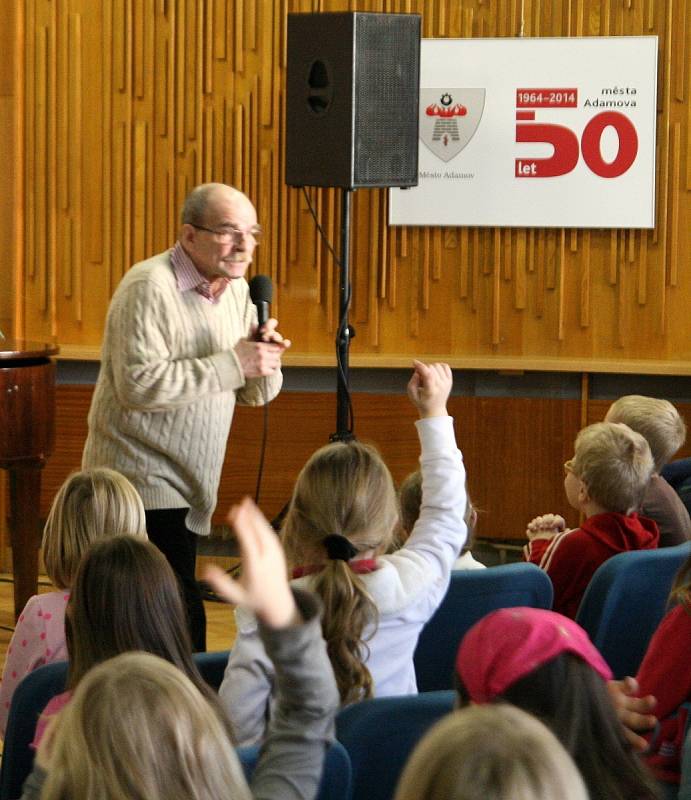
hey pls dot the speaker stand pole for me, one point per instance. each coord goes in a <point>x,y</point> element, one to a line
<point>345,331</point>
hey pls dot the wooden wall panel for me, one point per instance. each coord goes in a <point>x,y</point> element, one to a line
<point>514,449</point>
<point>129,103</point>
<point>11,211</point>
<point>10,94</point>
<point>299,423</point>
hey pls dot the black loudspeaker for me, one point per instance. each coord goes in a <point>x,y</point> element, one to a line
<point>352,94</point>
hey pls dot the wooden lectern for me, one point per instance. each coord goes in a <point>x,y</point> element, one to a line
<point>27,434</point>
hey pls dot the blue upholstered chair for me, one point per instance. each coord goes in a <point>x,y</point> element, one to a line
<point>380,734</point>
<point>212,666</point>
<point>29,699</point>
<point>336,782</point>
<point>471,595</point>
<point>678,475</point>
<point>625,602</point>
<point>32,696</point>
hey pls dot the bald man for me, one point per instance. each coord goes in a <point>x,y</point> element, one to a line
<point>178,353</point>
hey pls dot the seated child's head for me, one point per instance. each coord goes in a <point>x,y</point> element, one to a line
<point>490,753</point>
<point>137,721</point>
<point>343,508</point>
<point>657,420</point>
<point>545,664</point>
<point>89,505</point>
<point>611,468</point>
<point>410,501</point>
<point>126,597</point>
<point>344,489</point>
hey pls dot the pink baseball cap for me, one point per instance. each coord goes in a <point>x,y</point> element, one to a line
<point>510,643</point>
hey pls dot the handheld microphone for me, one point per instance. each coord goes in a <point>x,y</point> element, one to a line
<point>261,292</point>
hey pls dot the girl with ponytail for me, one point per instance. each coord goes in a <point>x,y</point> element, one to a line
<point>339,526</point>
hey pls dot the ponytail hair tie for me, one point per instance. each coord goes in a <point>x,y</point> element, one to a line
<point>338,548</point>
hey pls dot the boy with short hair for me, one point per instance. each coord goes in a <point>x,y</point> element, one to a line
<point>664,429</point>
<point>605,480</point>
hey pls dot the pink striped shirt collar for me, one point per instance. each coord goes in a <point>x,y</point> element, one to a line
<point>189,277</point>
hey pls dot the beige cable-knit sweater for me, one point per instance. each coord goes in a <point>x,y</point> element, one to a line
<point>166,391</point>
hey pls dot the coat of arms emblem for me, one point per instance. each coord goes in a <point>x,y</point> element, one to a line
<point>449,119</point>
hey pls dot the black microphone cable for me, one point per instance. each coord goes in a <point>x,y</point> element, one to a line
<point>264,291</point>
<point>261,294</point>
<point>262,449</point>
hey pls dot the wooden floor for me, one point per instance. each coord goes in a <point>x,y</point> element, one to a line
<point>220,621</point>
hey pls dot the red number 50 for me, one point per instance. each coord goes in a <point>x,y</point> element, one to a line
<point>628,144</point>
<point>565,144</point>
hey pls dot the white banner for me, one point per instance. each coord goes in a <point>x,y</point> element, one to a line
<point>535,133</point>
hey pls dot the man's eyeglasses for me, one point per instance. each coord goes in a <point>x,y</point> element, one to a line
<point>228,233</point>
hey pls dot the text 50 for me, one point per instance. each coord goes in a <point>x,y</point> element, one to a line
<point>567,148</point>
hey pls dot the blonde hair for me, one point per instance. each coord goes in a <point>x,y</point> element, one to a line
<point>615,464</point>
<point>495,752</point>
<point>89,505</point>
<point>344,489</point>
<point>681,588</point>
<point>657,420</point>
<point>136,727</point>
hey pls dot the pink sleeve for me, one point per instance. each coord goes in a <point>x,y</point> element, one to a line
<point>25,653</point>
<point>55,705</point>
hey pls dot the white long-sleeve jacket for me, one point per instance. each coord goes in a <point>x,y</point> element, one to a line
<point>407,588</point>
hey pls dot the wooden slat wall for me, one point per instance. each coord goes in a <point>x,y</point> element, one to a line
<point>11,148</point>
<point>302,422</point>
<point>514,449</point>
<point>9,115</point>
<point>129,103</point>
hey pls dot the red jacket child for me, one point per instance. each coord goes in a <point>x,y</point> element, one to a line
<point>571,557</point>
<point>605,480</point>
<point>666,674</point>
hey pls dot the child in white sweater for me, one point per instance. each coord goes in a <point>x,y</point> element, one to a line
<point>341,520</point>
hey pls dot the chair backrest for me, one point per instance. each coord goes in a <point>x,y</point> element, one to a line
<point>625,601</point>
<point>32,695</point>
<point>212,666</point>
<point>677,472</point>
<point>336,781</point>
<point>471,595</point>
<point>28,701</point>
<point>380,734</point>
<point>678,475</point>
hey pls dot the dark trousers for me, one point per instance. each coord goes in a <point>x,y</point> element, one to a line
<point>167,530</point>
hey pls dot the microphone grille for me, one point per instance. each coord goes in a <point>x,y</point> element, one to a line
<point>261,289</point>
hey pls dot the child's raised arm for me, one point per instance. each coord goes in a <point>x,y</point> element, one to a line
<point>429,389</point>
<point>263,587</point>
<point>424,563</point>
<point>300,730</point>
